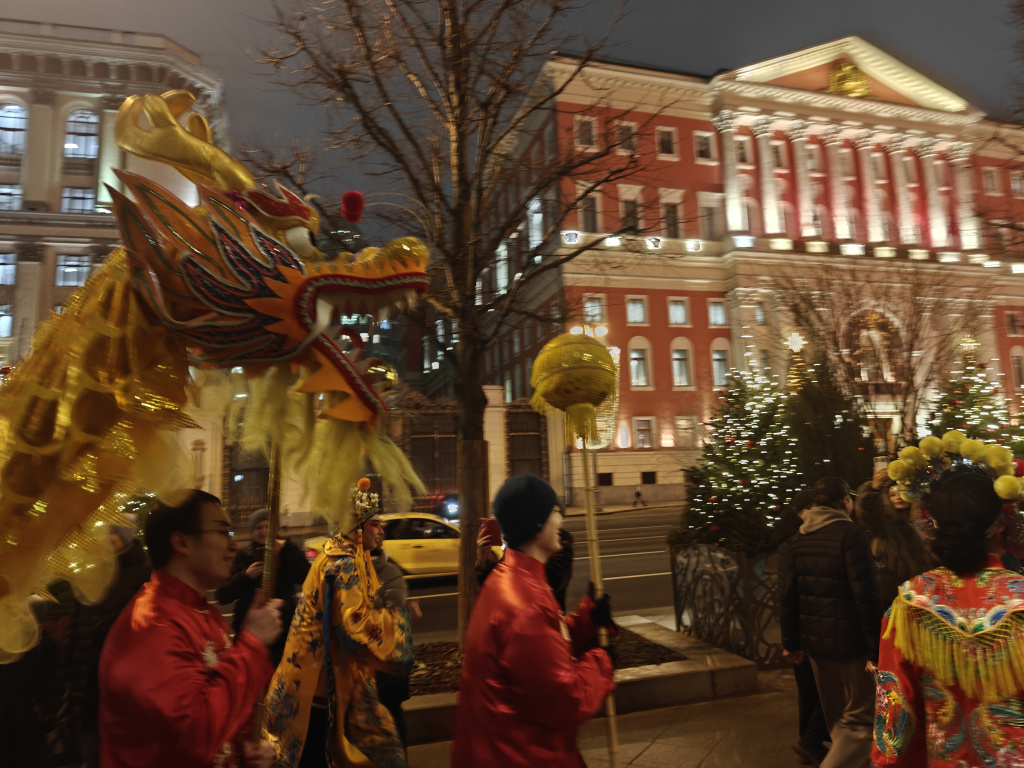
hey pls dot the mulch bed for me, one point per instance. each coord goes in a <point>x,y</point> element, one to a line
<point>436,666</point>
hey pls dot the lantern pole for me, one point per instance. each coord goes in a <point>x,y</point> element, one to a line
<point>594,553</point>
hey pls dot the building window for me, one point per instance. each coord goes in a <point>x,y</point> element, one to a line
<point>643,429</point>
<point>636,311</point>
<point>1013,324</point>
<point>77,200</point>
<point>426,354</point>
<point>72,270</point>
<point>879,165</point>
<point>670,219</point>
<point>648,478</point>
<point>638,374</point>
<point>630,211</point>
<point>586,133</point>
<point>719,367</point>
<point>678,312</point>
<point>501,268</point>
<point>813,157</point>
<point>604,479</point>
<point>759,315</point>
<point>6,321</point>
<point>704,146</point>
<point>516,342</point>
<point>1017,183</point>
<point>666,141</point>
<point>990,180</point>
<point>10,197</point>
<point>710,219</point>
<point>1017,364</point>
<point>13,122</point>
<point>8,264</point>
<point>82,135</point>
<point>686,432</point>
<point>766,364</point>
<point>593,309</point>
<point>680,368</point>
<point>625,138</point>
<point>587,212</point>
<point>535,222</point>
<point>742,144</point>
<point>778,155</point>
<point>716,313</point>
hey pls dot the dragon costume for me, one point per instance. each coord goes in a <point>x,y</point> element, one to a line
<point>234,283</point>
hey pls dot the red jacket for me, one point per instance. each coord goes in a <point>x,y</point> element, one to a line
<point>174,691</point>
<point>522,695</point>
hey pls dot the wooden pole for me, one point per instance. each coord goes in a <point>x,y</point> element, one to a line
<point>593,551</point>
<point>268,580</point>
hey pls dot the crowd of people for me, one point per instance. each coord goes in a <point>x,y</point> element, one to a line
<point>907,639</point>
<point>905,628</point>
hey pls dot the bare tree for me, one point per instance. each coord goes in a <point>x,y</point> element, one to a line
<point>454,105</point>
<point>890,333</point>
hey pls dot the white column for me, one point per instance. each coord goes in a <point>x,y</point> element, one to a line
<point>865,144</point>
<point>960,157</point>
<point>42,150</point>
<point>938,228</point>
<point>725,124</point>
<point>904,213</point>
<point>110,154</point>
<point>798,136</point>
<point>764,130</point>
<point>840,218</point>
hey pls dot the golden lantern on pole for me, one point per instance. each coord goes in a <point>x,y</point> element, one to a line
<point>574,373</point>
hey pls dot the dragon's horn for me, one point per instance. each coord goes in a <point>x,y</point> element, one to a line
<point>166,141</point>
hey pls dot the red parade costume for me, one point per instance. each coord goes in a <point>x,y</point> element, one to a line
<point>951,672</point>
<point>174,691</point>
<point>522,695</point>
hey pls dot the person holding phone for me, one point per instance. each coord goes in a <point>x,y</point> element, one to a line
<point>530,674</point>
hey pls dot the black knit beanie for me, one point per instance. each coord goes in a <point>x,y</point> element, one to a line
<point>258,517</point>
<point>522,505</point>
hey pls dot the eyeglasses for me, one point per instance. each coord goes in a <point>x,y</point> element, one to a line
<point>227,532</point>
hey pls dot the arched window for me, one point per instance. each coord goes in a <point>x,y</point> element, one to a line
<point>641,375</point>
<point>682,362</point>
<point>720,362</point>
<point>13,125</point>
<point>82,135</point>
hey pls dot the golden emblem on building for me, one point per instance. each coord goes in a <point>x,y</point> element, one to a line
<point>846,79</point>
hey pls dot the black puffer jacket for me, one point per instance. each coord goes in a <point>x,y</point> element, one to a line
<point>829,600</point>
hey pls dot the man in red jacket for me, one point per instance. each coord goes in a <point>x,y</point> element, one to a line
<point>530,675</point>
<point>175,692</point>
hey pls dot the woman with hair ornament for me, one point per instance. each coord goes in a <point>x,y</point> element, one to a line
<point>951,661</point>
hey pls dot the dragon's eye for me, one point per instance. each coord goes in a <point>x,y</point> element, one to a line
<point>300,240</point>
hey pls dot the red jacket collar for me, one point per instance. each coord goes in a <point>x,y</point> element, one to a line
<point>524,562</point>
<point>175,588</point>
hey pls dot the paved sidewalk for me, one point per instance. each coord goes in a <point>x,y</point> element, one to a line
<point>742,732</point>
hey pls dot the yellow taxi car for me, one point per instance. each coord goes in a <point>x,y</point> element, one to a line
<point>418,543</point>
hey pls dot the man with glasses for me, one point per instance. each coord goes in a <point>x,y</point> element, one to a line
<point>175,691</point>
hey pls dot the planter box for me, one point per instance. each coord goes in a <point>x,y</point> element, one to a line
<point>728,600</point>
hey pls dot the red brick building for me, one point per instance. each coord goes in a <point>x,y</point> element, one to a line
<point>834,160</point>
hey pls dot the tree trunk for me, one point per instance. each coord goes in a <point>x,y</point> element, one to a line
<point>472,474</point>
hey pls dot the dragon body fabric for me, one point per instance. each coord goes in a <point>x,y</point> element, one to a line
<point>234,284</point>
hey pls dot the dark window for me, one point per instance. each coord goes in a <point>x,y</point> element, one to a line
<point>630,215</point>
<point>670,219</point>
<point>604,478</point>
<point>585,132</point>
<point>588,214</point>
<point>703,146</point>
<point>666,142</point>
<point>649,478</point>
<point>625,135</point>
<point>1013,326</point>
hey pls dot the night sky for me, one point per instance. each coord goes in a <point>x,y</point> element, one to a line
<point>965,45</point>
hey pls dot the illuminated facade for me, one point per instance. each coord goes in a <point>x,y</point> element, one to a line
<point>834,160</point>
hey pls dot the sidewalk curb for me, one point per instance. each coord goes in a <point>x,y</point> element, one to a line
<point>705,673</point>
<point>617,509</point>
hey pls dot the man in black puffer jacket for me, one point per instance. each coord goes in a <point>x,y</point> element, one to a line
<point>830,611</point>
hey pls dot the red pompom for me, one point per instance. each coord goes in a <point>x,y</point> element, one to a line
<point>714,528</point>
<point>352,206</point>
<point>1018,468</point>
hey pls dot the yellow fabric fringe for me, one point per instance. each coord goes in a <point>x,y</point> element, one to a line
<point>986,665</point>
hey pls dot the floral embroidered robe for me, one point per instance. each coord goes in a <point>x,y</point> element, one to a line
<point>951,672</point>
<point>337,605</point>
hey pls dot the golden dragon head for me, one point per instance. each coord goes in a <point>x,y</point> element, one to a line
<point>239,276</point>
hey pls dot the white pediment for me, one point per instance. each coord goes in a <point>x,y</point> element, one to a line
<point>877,65</point>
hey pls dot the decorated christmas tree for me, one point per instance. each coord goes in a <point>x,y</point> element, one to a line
<point>748,472</point>
<point>974,403</point>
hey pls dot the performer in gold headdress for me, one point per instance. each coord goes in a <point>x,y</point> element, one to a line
<point>340,636</point>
